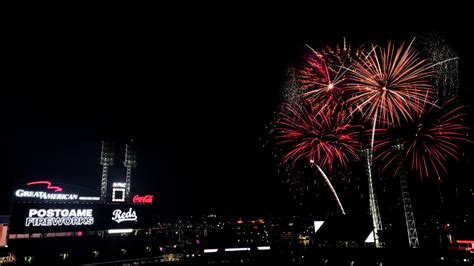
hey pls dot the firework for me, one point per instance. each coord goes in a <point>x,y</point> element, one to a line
<point>429,141</point>
<point>320,139</point>
<point>322,76</point>
<point>389,83</point>
<point>315,136</point>
<point>445,76</point>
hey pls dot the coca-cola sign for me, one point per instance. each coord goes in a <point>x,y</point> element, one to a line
<point>147,199</point>
<point>120,216</point>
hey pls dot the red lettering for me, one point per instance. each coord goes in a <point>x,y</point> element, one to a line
<point>143,199</point>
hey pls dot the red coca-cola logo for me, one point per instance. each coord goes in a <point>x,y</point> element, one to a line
<point>143,199</point>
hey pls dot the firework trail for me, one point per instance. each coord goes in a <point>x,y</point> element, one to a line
<point>322,139</point>
<point>330,186</point>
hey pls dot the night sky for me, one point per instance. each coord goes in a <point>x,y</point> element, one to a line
<point>195,98</point>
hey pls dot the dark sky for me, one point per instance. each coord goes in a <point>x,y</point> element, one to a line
<point>196,99</point>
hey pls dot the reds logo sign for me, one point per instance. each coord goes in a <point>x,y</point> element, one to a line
<point>120,216</point>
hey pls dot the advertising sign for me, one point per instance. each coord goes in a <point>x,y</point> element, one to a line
<point>50,217</point>
<point>45,190</point>
<point>146,199</point>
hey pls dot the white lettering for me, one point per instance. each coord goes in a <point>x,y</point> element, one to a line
<point>20,193</point>
<point>32,212</point>
<point>119,216</point>
<point>89,198</point>
<point>59,221</point>
<point>81,212</point>
<point>122,185</point>
<point>42,213</point>
<point>59,217</point>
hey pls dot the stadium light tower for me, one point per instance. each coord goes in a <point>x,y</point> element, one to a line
<point>413,240</point>
<point>106,159</point>
<point>129,162</point>
<point>374,205</point>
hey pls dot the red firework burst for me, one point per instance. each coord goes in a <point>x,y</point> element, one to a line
<point>389,83</point>
<point>320,137</point>
<point>429,141</point>
<point>322,75</point>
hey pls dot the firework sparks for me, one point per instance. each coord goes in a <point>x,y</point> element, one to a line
<point>389,83</point>
<point>445,76</point>
<point>322,76</point>
<point>434,137</point>
<point>321,139</point>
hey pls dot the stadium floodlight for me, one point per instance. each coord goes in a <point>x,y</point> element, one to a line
<point>129,162</point>
<point>106,159</point>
